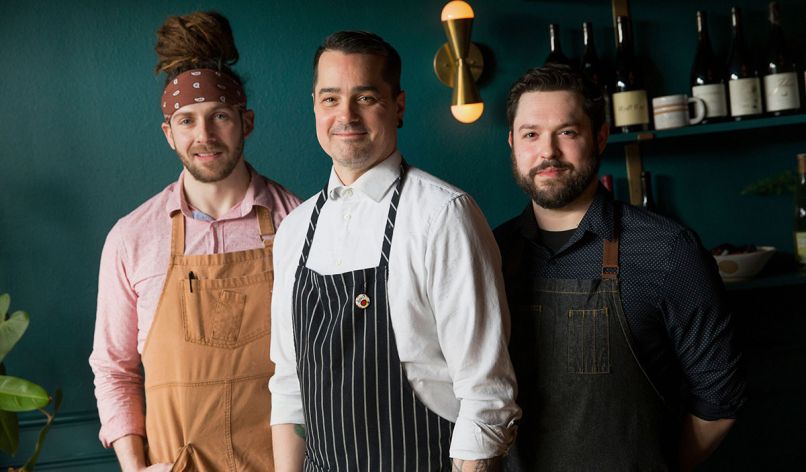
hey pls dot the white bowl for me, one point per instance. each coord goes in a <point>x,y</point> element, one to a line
<point>735,267</point>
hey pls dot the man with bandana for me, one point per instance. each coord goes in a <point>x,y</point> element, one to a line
<point>621,337</point>
<point>185,280</point>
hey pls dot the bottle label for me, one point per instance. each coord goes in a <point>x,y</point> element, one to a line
<point>630,108</point>
<point>716,103</point>
<point>800,238</point>
<point>745,96</point>
<point>781,91</point>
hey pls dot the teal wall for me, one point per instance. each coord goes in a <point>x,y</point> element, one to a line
<point>80,143</point>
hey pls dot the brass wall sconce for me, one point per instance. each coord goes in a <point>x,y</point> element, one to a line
<point>459,63</point>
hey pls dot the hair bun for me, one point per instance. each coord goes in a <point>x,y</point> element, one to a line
<point>196,40</point>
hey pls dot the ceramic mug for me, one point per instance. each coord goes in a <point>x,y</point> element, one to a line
<point>673,111</point>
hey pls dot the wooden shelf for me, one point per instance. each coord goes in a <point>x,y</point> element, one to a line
<point>790,279</point>
<point>749,124</point>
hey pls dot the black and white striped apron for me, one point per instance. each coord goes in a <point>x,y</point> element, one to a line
<point>361,414</point>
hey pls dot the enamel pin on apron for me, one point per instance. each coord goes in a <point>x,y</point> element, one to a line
<point>362,300</point>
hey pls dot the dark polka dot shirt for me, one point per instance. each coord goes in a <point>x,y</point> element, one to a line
<point>673,298</point>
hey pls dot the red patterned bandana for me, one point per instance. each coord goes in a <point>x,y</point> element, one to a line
<point>198,86</point>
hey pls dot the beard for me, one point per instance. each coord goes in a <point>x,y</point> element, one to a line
<point>562,191</point>
<point>216,170</point>
<point>352,154</point>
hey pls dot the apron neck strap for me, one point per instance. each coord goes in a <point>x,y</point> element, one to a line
<point>264,221</point>
<point>177,234</point>
<point>320,202</point>
<point>390,220</point>
<point>265,225</point>
<point>610,267</point>
<point>610,259</point>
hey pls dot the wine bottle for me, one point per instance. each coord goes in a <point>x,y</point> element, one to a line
<point>647,200</point>
<point>744,85</point>
<point>780,80</point>
<point>800,210</point>
<point>630,106</point>
<point>556,55</point>
<point>591,67</point>
<point>708,75</point>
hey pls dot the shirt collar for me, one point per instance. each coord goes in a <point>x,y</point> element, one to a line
<point>598,219</point>
<point>374,183</point>
<point>256,194</point>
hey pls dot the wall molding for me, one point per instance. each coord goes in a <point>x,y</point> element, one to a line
<point>72,443</point>
<point>82,463</point>
<point>37,420</point>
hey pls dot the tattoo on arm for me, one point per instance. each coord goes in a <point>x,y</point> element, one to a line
<point>481,465</point>
<point>299,429</point>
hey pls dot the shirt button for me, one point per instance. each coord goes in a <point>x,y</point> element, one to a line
<point>348,193</point>
<point>347,216</point>
<point>338,262</point>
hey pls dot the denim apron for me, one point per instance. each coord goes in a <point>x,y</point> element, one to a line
<point>587,401</point>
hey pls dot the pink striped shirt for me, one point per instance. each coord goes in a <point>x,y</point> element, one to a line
<point>132,273</point>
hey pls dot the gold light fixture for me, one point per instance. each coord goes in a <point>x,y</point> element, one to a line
<point>459,63</point>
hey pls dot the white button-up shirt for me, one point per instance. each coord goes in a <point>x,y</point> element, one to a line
<point>445,292</point>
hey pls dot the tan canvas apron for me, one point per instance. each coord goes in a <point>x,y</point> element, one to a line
<point>206,359</point>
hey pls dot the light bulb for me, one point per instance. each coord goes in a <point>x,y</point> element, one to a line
<point>467,113</point>
<point>457,10</point>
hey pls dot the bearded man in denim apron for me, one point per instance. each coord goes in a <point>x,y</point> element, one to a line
<point>622,343</point>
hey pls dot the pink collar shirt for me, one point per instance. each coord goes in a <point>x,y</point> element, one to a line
<point>133,266</point>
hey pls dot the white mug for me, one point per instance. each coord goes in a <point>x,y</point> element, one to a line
<point>672,111</point>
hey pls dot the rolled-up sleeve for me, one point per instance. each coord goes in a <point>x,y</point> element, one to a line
<point>286,399</point>
<point>467,295</point>
<point>114,359</point>
<point>701,330</point>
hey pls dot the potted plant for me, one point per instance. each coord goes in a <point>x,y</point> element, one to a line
<point>16,394</point>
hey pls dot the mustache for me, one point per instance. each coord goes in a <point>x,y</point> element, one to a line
<point>555,163</point>
<point>206,149</point>
<point>348,129</point>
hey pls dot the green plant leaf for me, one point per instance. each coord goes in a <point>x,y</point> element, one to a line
<point>5,302</point>
<point>21,395</point>
<point>9,432</point>
<point>781,184</point>
<point>11,330</point>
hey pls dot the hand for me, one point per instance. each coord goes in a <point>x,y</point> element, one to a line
<point>132,457</point>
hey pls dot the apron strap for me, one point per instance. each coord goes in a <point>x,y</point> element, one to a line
<point>265,225</point>
<point>610,259</point>
<point>264,221</point>
<point>390,220</point>
<point>610,267</point>
<point>184,460</point>
<point>320,202</point>
<point>177,234</point>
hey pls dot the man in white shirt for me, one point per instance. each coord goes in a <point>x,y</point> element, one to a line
<point>389,324</point>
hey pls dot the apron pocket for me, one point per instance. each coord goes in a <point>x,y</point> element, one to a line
<point>226,312</point>
<point>588,341</point>
<point>227,316</point>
